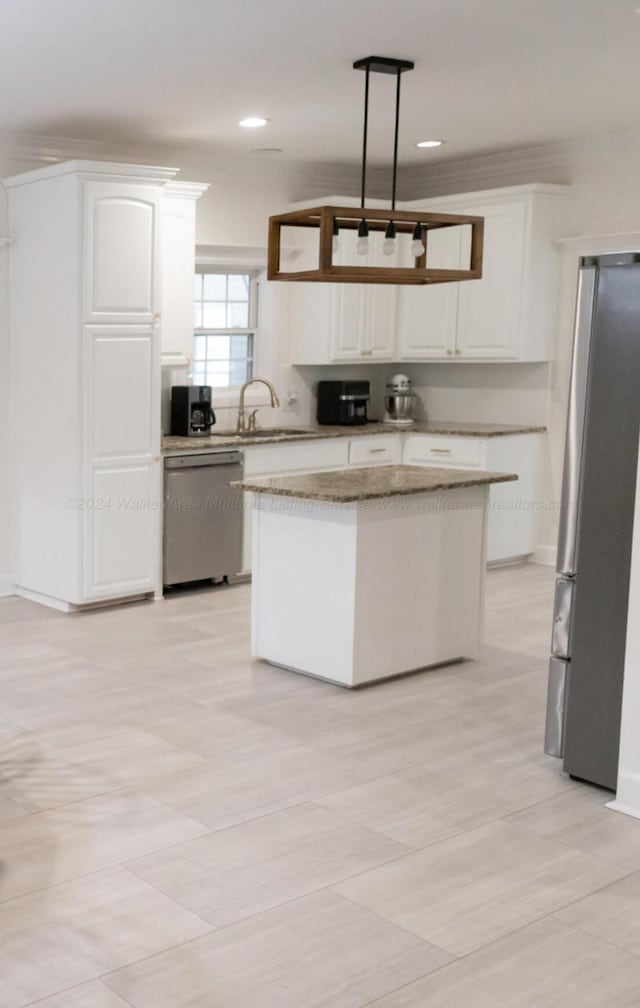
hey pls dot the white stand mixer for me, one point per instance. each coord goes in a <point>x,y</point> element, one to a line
<point>399,401</point>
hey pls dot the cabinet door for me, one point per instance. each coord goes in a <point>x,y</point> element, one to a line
<point>489,309</point>
<point>348,306</point>
<point>511,531</point>
<point>120,395</point>
<point>379,336</point>
<point>428,315</point>
<point>121,252</point>
<point>178,267</point>
<point>121,439</point>
<point>347,322</point>
<point>122,522</point>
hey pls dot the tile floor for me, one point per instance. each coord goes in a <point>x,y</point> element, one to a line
<point>183,828</point>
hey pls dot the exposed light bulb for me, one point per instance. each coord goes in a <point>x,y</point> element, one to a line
<point>417,245</point>
<point>363,238</point>
<point>389,243</point>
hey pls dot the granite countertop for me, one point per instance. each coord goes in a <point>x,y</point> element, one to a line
<point>348,485</point>
<point>229,439</point>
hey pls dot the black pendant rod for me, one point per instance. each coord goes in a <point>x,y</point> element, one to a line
<point>381,64</point>
<point>364,138</point>
<point>395,143</point>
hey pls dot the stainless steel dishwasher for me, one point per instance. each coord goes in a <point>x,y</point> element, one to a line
<point>202,517</point>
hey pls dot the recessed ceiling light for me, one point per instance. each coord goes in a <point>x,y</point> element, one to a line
<point>430,143</point>
<point>252,122</point>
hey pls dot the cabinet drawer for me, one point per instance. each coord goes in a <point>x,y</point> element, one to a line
<point>438,449</point>
<point>272,459</point>
<point>385,449</point>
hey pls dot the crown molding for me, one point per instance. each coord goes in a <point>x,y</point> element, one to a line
<point>550,163</point>
<point>186,190</point>
<point>309,180</point>
<point>94,170</point>
<point>21,152</point>
<point>553,163</point>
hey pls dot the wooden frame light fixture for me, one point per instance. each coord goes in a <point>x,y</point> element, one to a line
<point>330,220</point>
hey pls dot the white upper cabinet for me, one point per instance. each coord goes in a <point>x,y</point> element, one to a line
<point>363,315</point>
<point>341,322</point>
<point>428,317</point>
<point>509,313</point>
<point>488,323</point>
<point>178,267</point>
<point>121,252</point>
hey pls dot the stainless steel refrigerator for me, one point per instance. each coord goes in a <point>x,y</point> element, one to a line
<point>596,523</point>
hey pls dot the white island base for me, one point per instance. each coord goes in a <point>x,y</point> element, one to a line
<point>362,591</point>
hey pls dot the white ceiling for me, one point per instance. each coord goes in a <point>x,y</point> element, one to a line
<point>490,75</point>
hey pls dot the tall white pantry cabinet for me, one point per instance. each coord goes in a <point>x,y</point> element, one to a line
<point>85,381</point>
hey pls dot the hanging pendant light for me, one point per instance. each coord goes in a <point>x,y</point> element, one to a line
<point>389,243</point>
<point>335,242</point>
<point>329,220</point>
<point>417,242</point>
<point>363,238</point>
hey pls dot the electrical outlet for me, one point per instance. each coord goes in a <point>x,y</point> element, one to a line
<point>290,400</point>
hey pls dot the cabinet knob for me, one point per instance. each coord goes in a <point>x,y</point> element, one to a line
<point>449,353</point>
<point>156,316</point>
<point>458,352</point>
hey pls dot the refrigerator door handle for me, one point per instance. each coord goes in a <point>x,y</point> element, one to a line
<point>567,538</point>
<point>556,707</point>
<point>561,632</point>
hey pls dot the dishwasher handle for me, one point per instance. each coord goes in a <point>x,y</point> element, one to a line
<point>202,459</point>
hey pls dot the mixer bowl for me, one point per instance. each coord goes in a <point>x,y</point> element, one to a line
<point>399,408</point>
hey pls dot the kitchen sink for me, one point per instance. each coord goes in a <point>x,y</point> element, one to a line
<point>267,432</point>
<point>274,432</point>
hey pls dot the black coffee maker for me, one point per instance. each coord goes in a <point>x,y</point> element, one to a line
<point>191,412</point>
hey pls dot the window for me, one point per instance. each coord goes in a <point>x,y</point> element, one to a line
<point>224,308</point>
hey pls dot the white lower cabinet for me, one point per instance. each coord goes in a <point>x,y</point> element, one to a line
<point>283,459</point>
<point>314,456</point>
<point>379,449</point>
<point>512,506</point>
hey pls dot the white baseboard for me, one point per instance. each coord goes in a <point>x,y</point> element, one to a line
<point>627,799</point>
<point>545,555</point>
<point>47,600</point>
<point>7,586</point>
<point>70,607</point>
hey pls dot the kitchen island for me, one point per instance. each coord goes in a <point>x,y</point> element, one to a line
<point>368,573</point>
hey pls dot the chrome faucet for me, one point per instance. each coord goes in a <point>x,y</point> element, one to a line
<point>244,425</point>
